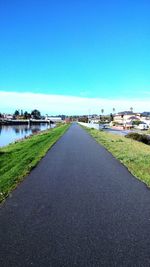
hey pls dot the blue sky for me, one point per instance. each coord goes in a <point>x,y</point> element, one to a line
<point>87,48</point>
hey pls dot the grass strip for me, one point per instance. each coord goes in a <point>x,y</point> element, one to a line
<point>18,159</point>
<point>133,154</point>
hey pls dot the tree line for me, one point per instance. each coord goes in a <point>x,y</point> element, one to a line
<point>35,114</point>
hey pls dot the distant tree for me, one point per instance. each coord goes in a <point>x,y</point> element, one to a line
<point>102,111</point>
<point>27,115</point>
<point>131,109</point>
<point>0,115</point>
<point>83,119</point>
<point>113,110</point>
<point>21,112</point>
<point>111,117</point>
<point>16,113</point>
<point>136,122</point>
<point>63,117</point>
<point>36,114</point>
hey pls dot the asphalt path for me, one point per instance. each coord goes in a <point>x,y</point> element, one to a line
<point>78,207</point>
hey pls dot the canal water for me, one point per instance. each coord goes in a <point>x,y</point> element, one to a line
<point>9,134</point>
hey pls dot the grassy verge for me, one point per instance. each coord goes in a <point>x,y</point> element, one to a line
<point>133,154</point>
<point>148,131</point>
<point>17,160</point>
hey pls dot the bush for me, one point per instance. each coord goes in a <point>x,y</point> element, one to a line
<point>115,123</point>
<point>139,137</point>
<point>136,122</point>
<point>83,119</point>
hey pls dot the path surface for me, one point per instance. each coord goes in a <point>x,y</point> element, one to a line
<point>79,207</point>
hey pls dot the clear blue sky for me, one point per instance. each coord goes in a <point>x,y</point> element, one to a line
<point>75,47</point>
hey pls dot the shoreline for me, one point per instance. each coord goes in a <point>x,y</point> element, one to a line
<point>24,122</point>
<point>23,135</point>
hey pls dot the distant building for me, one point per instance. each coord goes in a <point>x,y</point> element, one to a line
<point>145,114</point>
<point>8,116</point>
<point>53,119</point>
<point>126,117</point>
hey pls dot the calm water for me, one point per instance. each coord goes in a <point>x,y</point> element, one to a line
<point>9,134</point>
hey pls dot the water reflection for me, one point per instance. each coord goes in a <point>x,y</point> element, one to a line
<point>12,133</point>
<point>17,130</point>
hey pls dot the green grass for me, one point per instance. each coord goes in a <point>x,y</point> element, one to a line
<point>148,131</point>
<point>17,160</point>
<point>133,154</point>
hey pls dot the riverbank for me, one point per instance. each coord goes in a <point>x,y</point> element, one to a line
<point>133,154</point>
<point>24,122</point>
<point>18,159</point>
<point>12,133</point>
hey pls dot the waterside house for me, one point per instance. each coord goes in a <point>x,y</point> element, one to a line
<point>127,119</point>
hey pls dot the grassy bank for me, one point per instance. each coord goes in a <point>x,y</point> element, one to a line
<point>133,154</point>
<point>17,160</point>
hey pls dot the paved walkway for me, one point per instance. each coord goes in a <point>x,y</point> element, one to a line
<point>79,207</point>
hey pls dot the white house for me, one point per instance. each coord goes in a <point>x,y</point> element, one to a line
<point>126,117</point>
<point>53,119</point>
